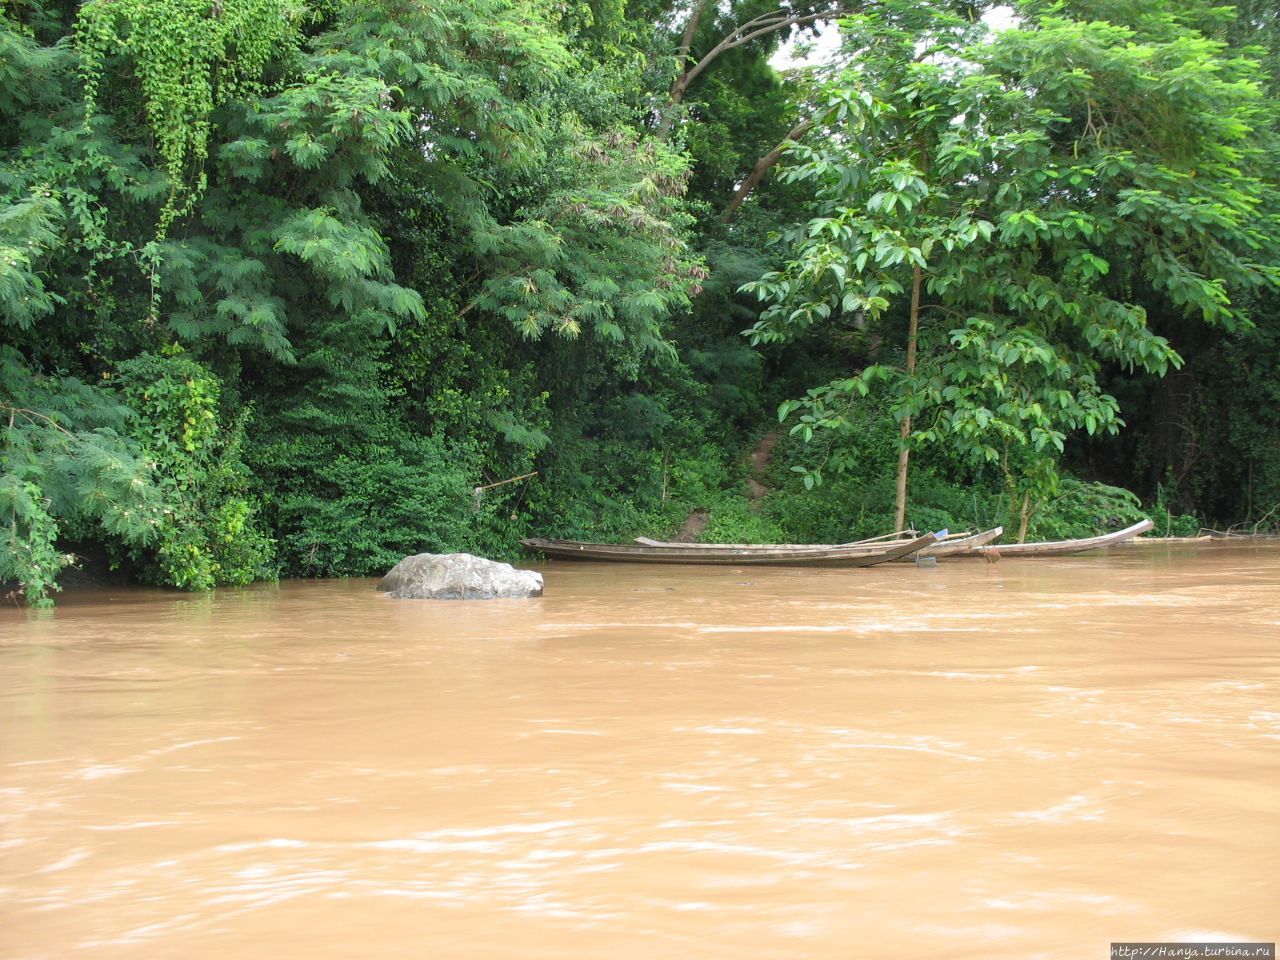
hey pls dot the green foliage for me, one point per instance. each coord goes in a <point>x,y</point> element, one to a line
<point>1208,442</point>
<point>361,512</point>
<point>208,534</point>
<point>28,230</point>
<point>67,468</point>
<point>145,466</point>
<point>1257,25</point>
<point>1168,523</point>
<point>29,554</point>
<point>854,497</point>
<point>737,113</point>
<point>604,253</point>
<point>734,520</point>
<point>1240,478</point>
<point>1093,507</point>
<point>189,56</point>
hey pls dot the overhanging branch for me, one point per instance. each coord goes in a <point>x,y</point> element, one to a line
<point>741,35</point>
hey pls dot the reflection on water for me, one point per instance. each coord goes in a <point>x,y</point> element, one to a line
<point>1033,758</point>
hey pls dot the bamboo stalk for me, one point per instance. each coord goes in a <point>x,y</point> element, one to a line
<point>502,483</point>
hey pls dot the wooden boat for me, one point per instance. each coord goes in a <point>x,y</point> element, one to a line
<point>948,545</point>
<point>962,546</point>
<point>833,555</point>
<point>1059,548</point>
<point>901,535</point>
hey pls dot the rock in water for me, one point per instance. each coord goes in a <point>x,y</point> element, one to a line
<point>458,576</point>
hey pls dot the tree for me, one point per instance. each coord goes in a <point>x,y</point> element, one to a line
<point>1034,215</point>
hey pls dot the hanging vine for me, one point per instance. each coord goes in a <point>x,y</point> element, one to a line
<point>189,56</point>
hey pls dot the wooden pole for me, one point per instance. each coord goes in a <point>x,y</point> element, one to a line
<point>904,431</point>
<point>477,491</point>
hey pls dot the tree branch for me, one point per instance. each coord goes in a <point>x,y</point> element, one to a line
<point>31,415</point>
<point>763,165</point>
<point>741,35</point>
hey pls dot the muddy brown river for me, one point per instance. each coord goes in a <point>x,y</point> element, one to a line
<point>1028,759</point>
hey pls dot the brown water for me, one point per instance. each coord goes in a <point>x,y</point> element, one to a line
<point>1030,759</point>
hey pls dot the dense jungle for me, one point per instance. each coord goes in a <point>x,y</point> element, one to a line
<point>293,288</point>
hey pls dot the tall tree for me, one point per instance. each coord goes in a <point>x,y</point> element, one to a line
<point>1033,214</point>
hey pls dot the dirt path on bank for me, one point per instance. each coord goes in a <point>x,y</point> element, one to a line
<point>760,456</point>
<point>692,527</point>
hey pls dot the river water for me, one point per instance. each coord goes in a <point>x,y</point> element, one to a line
<point>1027,759</point>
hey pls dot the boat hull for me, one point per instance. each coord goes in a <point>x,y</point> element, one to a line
<point>961,544</point>
<point>836,556</point>
<point>974,545</point>
<point>1060,548</point>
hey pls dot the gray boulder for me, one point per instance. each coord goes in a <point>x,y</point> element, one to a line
<point>458,576</point>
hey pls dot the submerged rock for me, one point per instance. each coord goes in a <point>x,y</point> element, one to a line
<point>458,576</point>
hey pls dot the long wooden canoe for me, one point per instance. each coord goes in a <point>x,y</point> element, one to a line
<point>1059,548</point>
<point>967,545</point>
<point>843,555</point>
<point>900,537</point>
<point>948,545</point>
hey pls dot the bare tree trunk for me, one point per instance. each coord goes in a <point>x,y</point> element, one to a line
<point>673,100</point>
<point>1024,517</point>
<point>690,31</point>
<point>682,82</point>
<point>900,502</point>
<point>904,431</point>
<point>763,165</point>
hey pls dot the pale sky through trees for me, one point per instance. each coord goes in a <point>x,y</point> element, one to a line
<point>825,44</point>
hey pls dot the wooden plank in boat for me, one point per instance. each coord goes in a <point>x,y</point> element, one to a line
<point>950,545</point>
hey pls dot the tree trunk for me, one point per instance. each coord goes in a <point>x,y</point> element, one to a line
<point>673,100</point>
<point>763,165</point>
<point>682,82</point>
<point>904,432</point>
<point>1024,517</point>
<point>690,30</point>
